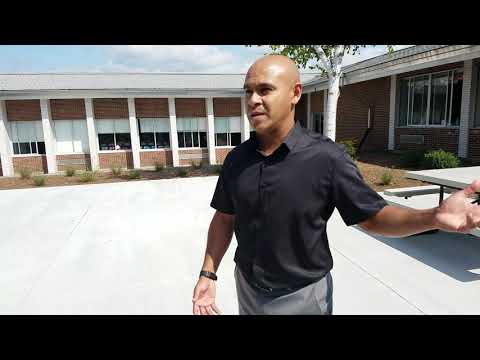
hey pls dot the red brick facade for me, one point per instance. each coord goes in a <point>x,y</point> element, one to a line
<point>187,157</point>
<point>110,108</point>
<point>227,107</point>
<point>190,107</point>
<point>316,102</point>
<point>352,113</point>
<point>149,158</point>
<point>67,109</point>
<point>36,163</point>
<point>301,110</point>
<point>434,138</point>
<point>120,158</point>
<point>151,108</point>
<point>221,154</point>
<point>474,145</point>
<point>74,161</point>
<point>23,110</point>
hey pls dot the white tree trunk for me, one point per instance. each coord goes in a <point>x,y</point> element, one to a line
<point>331,110</point>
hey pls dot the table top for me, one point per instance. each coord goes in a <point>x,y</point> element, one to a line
<point>458,178</point>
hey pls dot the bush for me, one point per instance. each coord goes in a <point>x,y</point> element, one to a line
<point>350,147</point>
<point>216,169</point>
<point>159,166</point>
<point>182,172</point>
<point>197,165</point>
<point>25,173</point>
<point>39,180</point>
<point>88,176</point>
<point>134,174</point>
<point>70,172</point>
<point>116,170</point>
<point>439,159</point>
<point>413,158</point>
<point>386,178</point>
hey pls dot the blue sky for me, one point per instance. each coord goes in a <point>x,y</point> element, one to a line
<point>141,58</point>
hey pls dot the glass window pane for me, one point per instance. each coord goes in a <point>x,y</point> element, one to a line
<point>163,140</point>
<point>80,136</point>
<point>64,136</point>
<point>181,139</point>
<point>457,98</point>
<point>203,139</point>
<point>145,125</point>
<point>105,142</point>
<point>162,125</point>
<point>122,126</point>
<point>26,131</point>
<point>221,125</point>
<point>403,103</point>
<point>41,147</point>
<point>420,93</point>
<point>234,124</point>
<point>202,124</point>
<point>221,139</point>
<point>16,149</point>
<point>104,126</point>
<point>123,141</point>
<point>196,140</point>
<point>33,146</point>
<point>25,148</point>
<point>438,98</point>
<point>188,139</point>
<point>147,140</point>
<point>235,138</point>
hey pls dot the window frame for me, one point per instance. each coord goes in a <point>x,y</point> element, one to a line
<point>12,142</point>
<point>73,145</point>
<point>229,132</point>
<point>155,134</point>
<point>190,131</point>
<point>114,138</point>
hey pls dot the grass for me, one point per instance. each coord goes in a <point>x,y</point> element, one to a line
<point>39,180</point>
<point>116,170</point>
<point>182,172</point>
<point>134,174</point>
<point>386,178</point>
<point>159,167</point>
<point>87,176</point>
<point>25,173</point>
<point>70,172</point>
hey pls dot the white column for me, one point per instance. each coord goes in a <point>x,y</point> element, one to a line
<point>244,123</point>
<point>92,135</point>
<point>134,138</point>
<point>465,109</point>
<point>393,106</point>
<point>309,111</point>
<point>49,136</point>
<point>211,132</point>
<point>325,100</point>
<point>173,131</point>
<point>6,152</point>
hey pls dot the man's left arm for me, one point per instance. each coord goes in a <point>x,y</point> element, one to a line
<point>455,214</point>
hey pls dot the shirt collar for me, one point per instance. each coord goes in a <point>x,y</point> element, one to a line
<point>294,135</point>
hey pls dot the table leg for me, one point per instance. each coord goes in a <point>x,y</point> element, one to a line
<point>441,195</point>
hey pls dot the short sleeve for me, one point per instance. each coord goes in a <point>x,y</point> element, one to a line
<point>354,199</point>
<point>222,199</point>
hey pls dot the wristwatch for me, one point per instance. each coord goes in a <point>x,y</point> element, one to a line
<point>208,274</point>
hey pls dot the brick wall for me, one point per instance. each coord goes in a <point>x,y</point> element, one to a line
<point>352,113</point>
<point>1,170</point>
<point>121,158</point>
<point>227,107</point>
<point>23,110</point>
<point>190,107</point>
<point>301,110</point>
<point>69,109</point>
<point>316,101</point>
<point>434,138</point>
<point>197,153</point>
<point>35,163</point>
<point>73,161</point>
<point>149,158</point>
<point>474,145</point>
<point>110,108</point>
<point>151,108</point>
<point>221,154</point>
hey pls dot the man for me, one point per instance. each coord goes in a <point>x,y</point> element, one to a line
<point>278,189</point>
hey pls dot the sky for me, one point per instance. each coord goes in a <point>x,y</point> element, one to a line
<point>144,58</point>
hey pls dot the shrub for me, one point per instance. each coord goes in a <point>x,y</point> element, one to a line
<point>88,176</point>
<point>412,158</point>
<point>70,172</point>
<point>386,178</point>
<point>116,170</point>
<point>182,172</point>
<point>350,147</point>
<point>159,166</point>
<point>216,169</point>
<point>39,180</point>
<point>439,159</point>
<point>25,173</point>
<point>197,165</point>
<point>134,174</point>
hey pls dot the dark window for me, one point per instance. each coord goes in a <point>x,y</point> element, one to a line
<point>195,139</point>
<point>235,139</point>
<point>203,139</point>
<point>181,139</point>
<point>251,133</point>
<point>221,139</point>
<point>41,147</point>
<point>163,140</point>
<point>34,147</point>
<point>106,141</point>
<point>403,103</point>
<point>147,141</point>
<point>188,138</point>
<point>456,98</point>
<point>25,148</point>
<point>16,149</point>
<point>123,140</point>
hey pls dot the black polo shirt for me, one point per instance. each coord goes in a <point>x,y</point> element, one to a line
<point>282,203</point>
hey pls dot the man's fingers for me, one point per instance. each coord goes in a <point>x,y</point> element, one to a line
<point>216,309</point>
<point>210,310</point>
<point>196,309</point>
<point>202,310</point>
<point>472,188</point>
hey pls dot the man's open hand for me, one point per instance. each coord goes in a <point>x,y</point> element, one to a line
<point>204,298</point>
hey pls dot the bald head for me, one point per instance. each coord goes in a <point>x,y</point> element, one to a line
<point>277,66</point>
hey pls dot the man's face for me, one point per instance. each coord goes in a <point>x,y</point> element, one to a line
<point>270,94</point>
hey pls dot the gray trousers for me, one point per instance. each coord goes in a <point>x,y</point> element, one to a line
<point>314,299</point>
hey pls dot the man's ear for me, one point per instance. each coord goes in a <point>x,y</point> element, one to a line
<point>297,93</point>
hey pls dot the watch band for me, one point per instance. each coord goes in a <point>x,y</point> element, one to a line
<point>208,274</point>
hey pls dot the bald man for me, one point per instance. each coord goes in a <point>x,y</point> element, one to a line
<point>277,191</point>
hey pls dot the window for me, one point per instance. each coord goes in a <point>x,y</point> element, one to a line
<point>192,132</point>
<point>227,131</point>
<point>27,137</point>
<point>71,136</point>
<point>154,133</point>
<point>252,129</point>
<point>431,100</point>
<point>113,134</point>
